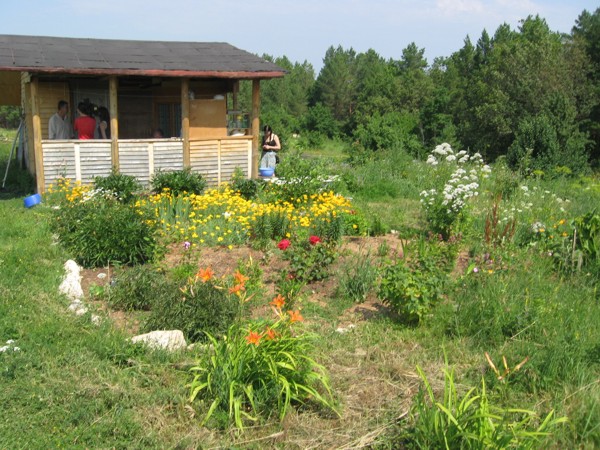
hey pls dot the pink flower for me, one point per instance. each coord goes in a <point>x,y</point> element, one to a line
<point>186,245</point>
<point>283,244</point>
<point>475,270</point>
<point>314,240</point>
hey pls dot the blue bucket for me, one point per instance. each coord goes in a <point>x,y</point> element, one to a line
<point>32,200</point>
<point>266,171</point>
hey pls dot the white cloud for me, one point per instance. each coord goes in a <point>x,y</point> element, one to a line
<point>451,7</point>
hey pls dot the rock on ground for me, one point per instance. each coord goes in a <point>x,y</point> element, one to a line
<point>170,340</point>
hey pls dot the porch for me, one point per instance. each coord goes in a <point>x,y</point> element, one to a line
<point>82,160</point>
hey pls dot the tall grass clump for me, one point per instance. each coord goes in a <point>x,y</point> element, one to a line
<point>473,420</point>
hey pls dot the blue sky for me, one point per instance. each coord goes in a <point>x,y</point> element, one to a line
<point>300,29</point>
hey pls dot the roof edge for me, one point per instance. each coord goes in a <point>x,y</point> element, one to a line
<point>151,73</point>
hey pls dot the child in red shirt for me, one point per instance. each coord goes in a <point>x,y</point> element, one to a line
<point>84,125</point>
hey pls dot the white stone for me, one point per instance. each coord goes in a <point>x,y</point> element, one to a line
<point>78,308</point>
<point>342,330</point>
<point>71,285</point>
<point>170,340</point>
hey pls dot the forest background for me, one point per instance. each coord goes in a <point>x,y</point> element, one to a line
<point>530,95</point>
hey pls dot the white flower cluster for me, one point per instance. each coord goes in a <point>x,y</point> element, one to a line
<point>462,184</point>
<point>107,194</point>
<point>10,345</point>
<point>444,152</point>
<point>524,204</point>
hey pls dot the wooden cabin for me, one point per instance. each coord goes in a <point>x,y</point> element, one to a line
<point>187,89</point>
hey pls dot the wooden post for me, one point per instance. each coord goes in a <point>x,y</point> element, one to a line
<point>255,127</point>
<point>185,120</point>
<point>236,91</point>
<point>113,83</point>
<point>37,137</point>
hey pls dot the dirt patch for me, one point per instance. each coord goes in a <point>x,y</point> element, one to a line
<point>225,261</point>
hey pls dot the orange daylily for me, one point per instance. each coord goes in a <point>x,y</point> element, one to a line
<point>278,301</point>
<point>239,278</point>
<point>253,338</point>
<point>236,289</point>
<point>205,275</point>
<point>270,334</point>
<point>295,316</point>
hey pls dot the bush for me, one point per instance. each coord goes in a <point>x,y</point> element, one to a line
<point>198,309</point>
<point>309,259</point>
<point>248,188</point>
<point>178,182</point>
<point>412,288</point>
<point>123,186</point>
<point>298,176</point>
<point>137,288</point>
<point>101,231</point>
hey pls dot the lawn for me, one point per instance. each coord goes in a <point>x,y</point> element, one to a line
<point>522,296</point>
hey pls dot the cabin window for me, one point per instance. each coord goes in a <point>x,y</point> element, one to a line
<point>169,119</point>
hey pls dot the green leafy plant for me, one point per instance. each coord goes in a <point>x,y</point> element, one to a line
<point>248,188</point>
<point>137,288</point>
<point>587,228</point>
<point>178,181</point>
<point>411,289</point>
<point>259,369</point>
<point>290,288</point>
<point>123,186</point>
<point>101,231</point>
<point>471,421</point>
<point>456,180</point>
<point>309,259</point>
<point>198,309</point>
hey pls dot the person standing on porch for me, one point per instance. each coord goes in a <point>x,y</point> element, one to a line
<point>104,123</point>
<point>58,126</point>
<point>85,125</point>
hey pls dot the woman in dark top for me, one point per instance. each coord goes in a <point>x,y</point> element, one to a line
<point>104,124</point>
<point>270,146</point>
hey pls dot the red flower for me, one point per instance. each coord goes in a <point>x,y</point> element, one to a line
<point>314,240</point>
<point>283,244</point>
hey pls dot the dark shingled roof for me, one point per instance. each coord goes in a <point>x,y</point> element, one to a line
<point>117,57</point>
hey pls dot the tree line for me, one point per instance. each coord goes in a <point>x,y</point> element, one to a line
<point>530,95</point>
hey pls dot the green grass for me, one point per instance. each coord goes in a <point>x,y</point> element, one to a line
<point>77,385</point>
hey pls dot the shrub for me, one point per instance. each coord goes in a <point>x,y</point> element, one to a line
<point>101,231</point>
<point>198,309</point>
<point>411,289</point>
<point>247,188</point>
<point>259,369</point>
<point>444,206</point>
<point>123,186</point>
<point>309,259</point>
<point>178,181</point>
<point>137,288</point>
